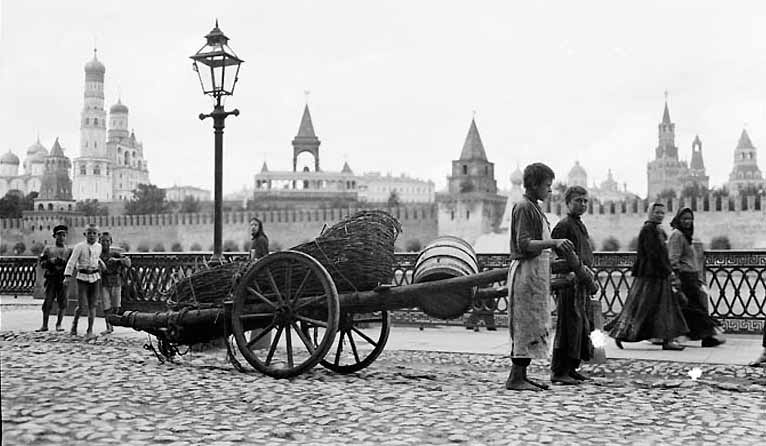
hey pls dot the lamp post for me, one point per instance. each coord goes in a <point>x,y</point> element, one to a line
<point>217,76</point>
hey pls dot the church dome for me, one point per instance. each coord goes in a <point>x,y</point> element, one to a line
<point>9,158</point>
<point>577,171</point>
<point>517,176</point>
<point>95,66</point>
<point>119,107</point>
<point>36,148</point>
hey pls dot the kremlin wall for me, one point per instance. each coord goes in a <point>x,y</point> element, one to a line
<point>285,228</point>
<point>743,221</point>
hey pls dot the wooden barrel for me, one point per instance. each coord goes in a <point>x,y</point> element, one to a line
<point>444,258</point>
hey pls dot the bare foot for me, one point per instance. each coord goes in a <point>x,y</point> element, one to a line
<point>522,385</point>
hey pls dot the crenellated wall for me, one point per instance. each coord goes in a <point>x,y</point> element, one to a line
<point>285,228</point>
<point>741,219</point>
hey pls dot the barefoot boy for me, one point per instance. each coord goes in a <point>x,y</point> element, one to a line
<point>111,279</point>
<point>53,260</point>
<point>86,263</point>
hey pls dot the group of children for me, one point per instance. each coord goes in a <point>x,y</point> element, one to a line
<point>97,269</point>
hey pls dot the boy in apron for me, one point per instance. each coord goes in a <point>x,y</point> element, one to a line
<point>529,277</point>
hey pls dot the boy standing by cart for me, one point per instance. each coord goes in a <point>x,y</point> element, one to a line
<point>85,263</point>
<point>53,260</point>
<point>111,278</point>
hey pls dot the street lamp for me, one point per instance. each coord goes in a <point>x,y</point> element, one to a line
<point>218,76</point>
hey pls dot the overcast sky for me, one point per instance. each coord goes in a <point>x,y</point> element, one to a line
<point>394,84</point>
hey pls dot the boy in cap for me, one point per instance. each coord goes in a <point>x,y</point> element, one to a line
<point>111,279</point>
<point>53,260</point>
<point>86,264</point>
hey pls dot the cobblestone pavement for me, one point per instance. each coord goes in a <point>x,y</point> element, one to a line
<point>58,389</point>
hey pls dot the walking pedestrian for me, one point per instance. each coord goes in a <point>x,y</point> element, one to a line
<point>111,278</point>
<point>260,242</point>
<point>85,263</point>
<point>686,270</point>
<point>651,309</point>
<point>529,299</point>
<point>53,260</point>
<point>572,343</point>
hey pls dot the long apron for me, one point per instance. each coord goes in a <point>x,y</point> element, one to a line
<point>530,303</point>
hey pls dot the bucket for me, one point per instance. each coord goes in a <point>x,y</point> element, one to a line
<point>444,258</point>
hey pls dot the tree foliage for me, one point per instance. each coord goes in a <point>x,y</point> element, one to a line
<point>694,190</point>
<point>189,205</point>
<point>147,199</point>
<point>176,247</point>
<point>91,207</point>
<point>611,244</point>
<point>667,193</point>
<point>413,245</point>
<point>230,246</point>
<point>393,199</point>
<point>720,242</point>
<point>15,202</point>
<point>19,248</point>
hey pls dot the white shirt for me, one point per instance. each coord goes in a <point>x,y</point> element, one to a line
<point>85,257</point>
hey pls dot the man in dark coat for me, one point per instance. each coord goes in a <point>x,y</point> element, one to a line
<point>572,342</point>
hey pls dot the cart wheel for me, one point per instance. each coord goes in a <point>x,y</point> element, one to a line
<point>362,339</point>
<point>280,292</point>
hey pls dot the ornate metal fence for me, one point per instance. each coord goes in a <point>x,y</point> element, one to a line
<point>736,280</point>
<point>17,274</point>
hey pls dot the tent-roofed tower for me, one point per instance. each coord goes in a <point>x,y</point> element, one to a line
<point>471,206</point>
<point>666,172</point>
<point>745,175</point>
<point>306,140</point>
<point>56,188</point>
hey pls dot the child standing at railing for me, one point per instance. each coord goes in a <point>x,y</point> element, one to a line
<point>86,264</point>
<point>111,279</point>
<point>53,260</point>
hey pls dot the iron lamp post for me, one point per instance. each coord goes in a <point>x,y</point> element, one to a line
<point>217,66</point>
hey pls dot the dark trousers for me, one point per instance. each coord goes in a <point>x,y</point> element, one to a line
<point>572,342</point>
<point>55,291</point>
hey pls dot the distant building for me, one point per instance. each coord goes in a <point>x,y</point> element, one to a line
<point>471,205</point>
<point>608,190</point>
<point>666,172</point>
<point>310,186</point>
<point>30,179</point>
<point>745,174</point>
<point>374,187</point>
<point>111,164</point>
<point>179,193</point>
<point>56,188</point>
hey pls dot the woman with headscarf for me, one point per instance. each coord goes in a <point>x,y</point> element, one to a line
<point>260,242</point>
<point>687,279</point>
<point>651,309</point>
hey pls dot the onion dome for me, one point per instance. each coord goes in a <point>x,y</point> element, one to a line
<point>517,177</point>
<point>36,148</point>
<point>95,65</point>
<point>577,170</point>
<point>119,107</point>
<point>9,158</point>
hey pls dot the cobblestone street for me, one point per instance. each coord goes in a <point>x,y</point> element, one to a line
<point>57,389</point>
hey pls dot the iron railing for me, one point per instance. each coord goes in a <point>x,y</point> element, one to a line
<point>736,282</point>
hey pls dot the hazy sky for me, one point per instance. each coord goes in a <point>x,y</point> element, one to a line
<point>394,84</point>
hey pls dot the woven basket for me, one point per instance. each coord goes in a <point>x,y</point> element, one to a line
<point>358,252</point>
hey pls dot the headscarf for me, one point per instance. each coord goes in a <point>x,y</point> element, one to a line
<point>676,223</point>
<point>651,209</point>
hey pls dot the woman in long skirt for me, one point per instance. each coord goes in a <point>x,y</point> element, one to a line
<point>529,277</point>
<point>651,309</point>
<point>686,269</point>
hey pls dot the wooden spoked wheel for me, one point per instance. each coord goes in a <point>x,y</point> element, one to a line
<point>360,340</point>
<point>278,301</point>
